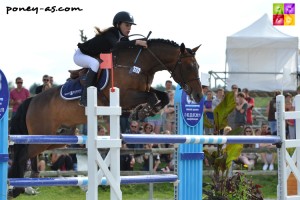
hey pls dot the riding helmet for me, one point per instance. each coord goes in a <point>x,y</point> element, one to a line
<point>123,16</point>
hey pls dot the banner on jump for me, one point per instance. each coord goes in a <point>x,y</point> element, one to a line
<point>191,111</point>
<point>4,94</point>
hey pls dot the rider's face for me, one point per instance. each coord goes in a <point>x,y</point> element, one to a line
<point>125,28</point>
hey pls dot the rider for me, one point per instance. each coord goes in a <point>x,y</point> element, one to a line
<point>87,54</point>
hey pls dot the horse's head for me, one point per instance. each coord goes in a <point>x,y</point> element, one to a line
<point>186,73</point>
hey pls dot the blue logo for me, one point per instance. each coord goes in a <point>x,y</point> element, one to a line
<point>4,94</point>
<point>191,111</point>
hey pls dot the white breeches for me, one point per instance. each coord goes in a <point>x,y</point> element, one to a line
<point>86,61</point>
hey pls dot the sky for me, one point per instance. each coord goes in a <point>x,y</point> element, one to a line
<point>38,42</point>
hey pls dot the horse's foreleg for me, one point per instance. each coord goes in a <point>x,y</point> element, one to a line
<point>145,102</point>
<point>163,100</point>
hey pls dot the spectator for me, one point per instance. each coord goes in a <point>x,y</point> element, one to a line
<point>41,163</point>
<point>207,109</point>
<point>227,129</point>
<point>215,102</point>
<point>240,111</point>
<point>124,122</point>
<point>18,95</point>
<point>169,158</point>
<point>204,89</point>
<point>51,80</point>
<point>257,132</point>
<point>290,122</point>
<point>62,162</point>
<point>169,113</point>
<point>134,129</point>
<point>102,131</point>
<point>46,86</point>
<point>218,99</point>
<point>288,97</point>
<point>39,89</point>
<point>128,160</point>
<point>148,129</point>
<point>248,159</point>
<point>250,106</point>
<point>146,164</point>
<point>268,157</point>
<point>156,120</point>
<point>270,111</point>
<point>168,85</point>
<point>231,116</point>
<point>298,92</point>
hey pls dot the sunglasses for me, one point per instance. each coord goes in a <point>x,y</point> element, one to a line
<point>149,127</point>
<point>133,126</point>
<point>19,82</point>
<point>234,88</point>
<point>248,131</point>
<point>45,79</point>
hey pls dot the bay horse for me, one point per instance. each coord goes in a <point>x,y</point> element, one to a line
<point>47,111</point>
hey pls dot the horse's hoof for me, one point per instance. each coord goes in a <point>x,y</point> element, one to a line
<point>14,192</point>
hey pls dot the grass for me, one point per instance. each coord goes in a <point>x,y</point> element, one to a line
<point>262,102</point>
<point>162,191</point>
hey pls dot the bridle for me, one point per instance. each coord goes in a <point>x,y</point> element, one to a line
<point>182,82</point>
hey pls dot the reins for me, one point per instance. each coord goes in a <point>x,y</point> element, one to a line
<point>182,82</point>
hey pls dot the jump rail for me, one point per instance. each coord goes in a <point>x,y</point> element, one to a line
<point>83,181</point>
<point>147,139</point>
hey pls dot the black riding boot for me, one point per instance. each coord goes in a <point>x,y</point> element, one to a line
<point>90,76</point>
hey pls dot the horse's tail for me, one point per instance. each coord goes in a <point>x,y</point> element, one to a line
<point>20,151</point>
<point>18,127</point>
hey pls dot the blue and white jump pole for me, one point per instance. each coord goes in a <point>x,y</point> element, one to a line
<point>189,157</point>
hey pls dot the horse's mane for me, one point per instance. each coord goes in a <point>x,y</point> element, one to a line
<point>152,41</point>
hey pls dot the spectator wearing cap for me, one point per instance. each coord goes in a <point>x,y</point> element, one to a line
<point>46,80</point>
<point>18,95</point>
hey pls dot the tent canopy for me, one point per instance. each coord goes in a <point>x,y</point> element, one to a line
<point>260,57</point>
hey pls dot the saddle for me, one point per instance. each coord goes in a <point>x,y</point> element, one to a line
<point>79,73</point>
<point>73,87</point>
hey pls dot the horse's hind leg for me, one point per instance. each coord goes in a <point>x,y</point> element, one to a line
<point>18,167</point>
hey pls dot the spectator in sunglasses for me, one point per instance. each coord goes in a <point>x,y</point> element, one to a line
<point>18,95</point>
<point>46,81</point>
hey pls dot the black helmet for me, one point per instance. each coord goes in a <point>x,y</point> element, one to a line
<point>123,17</point>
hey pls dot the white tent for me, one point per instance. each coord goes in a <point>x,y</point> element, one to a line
<point>260,57</point>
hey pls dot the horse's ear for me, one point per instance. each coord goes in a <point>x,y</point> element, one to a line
<point>182,48</point>
<point>196,48</point>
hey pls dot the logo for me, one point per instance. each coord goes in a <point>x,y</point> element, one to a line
<point>284,14</point>
<point>191,111</point>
